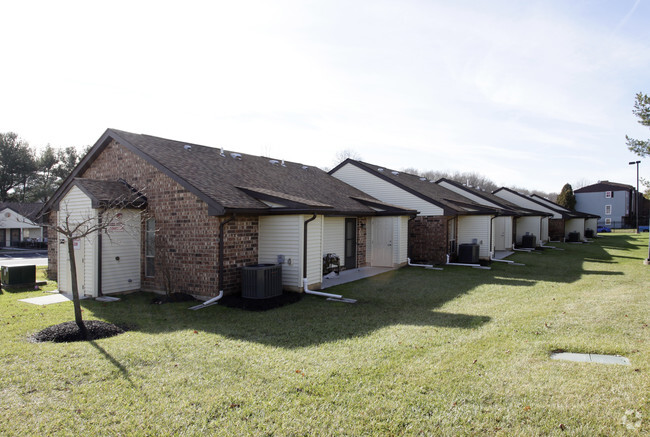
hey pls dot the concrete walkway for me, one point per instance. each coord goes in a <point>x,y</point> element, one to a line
<point>354,275</point>
<point>590,358</point>
<point>50,299</point>
<point>501,254</point>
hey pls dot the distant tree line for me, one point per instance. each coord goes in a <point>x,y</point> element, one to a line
<point>27,175</point>
<point>475,180</point>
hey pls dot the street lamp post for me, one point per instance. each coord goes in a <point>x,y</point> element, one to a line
<point>636,195</point>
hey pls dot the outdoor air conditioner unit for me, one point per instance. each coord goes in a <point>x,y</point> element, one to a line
<point>261,281</point>
<point>18,275</point>
<point>468,253</point>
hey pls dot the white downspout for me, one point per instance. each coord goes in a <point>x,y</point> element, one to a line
<point>426,266</point>
<point>476,266</point>
<point>214,299</point>
<point>318,293</point>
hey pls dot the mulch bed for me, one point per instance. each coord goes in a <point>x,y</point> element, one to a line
<point>69,332</point>
<point>236,301</point>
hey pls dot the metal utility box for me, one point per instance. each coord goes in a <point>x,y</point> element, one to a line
<point>529,241</point>
<point>261,281</point>
<point>589,233</point>
<point>468,253</point>
<point>17,275</point>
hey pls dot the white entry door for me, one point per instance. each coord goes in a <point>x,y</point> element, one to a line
<point>382,241</point>
<point>500,233</point>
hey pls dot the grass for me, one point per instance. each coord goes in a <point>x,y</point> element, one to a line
<point>453,352</point>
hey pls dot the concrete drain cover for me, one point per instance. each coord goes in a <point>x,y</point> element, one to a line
<point>590,358</point>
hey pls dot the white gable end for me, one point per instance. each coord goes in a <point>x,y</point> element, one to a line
<point>384,190</point>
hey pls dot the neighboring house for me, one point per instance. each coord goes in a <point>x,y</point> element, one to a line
<point>574,221</point>
<point>561,223</point>
<point>612,201</point>
<point>512,224</point>
<point>445,219</point>
<point>208,213</point>
<point>20,223</point>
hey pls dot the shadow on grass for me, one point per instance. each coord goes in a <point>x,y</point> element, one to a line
<point>408,296</point>
<point>119,366</point>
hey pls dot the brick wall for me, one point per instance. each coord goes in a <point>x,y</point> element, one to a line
<point>427,242</point>
<point>556,229</point>
<point>187,249</point>
<point>362,241</point>
<point>52,248</point>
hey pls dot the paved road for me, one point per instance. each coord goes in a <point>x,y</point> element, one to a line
<point>19,259</point>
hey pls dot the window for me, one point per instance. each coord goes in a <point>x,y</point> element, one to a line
<point>150,248</point>
<point>608,221</point>
<point>608,194</point>
<point>608,209</point>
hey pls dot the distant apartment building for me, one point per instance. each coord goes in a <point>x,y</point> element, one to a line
<point>612,201</point>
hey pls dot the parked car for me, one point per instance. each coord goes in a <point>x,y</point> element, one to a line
<point>644,228</point>
<point>604,229</point>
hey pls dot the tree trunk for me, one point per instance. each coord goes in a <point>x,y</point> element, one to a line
<point>75,290</point>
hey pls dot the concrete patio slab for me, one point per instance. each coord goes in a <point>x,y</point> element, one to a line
<point>353,275</point>
<point>48,300</point>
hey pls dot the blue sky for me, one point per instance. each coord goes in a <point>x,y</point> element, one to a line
<point>527,93</point>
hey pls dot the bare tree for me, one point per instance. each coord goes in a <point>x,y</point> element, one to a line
<point>76,227</point>
<point>344,154</point>
<point>582,182</point>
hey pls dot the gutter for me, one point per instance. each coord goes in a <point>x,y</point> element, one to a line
<point>330,296</point>
<point>220,295</point>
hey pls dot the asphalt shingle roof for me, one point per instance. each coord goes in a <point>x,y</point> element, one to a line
<point>237,182</point>
<point>114,193</point>
<point>450,201</point>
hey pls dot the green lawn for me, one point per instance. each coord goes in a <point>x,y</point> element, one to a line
<point>452,352</point>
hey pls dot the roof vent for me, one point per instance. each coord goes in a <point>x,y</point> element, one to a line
<point>222,154</point>
<point>187,147</point>
<point>395,172</point>
<point>274,161</point>
<point>283,164</point>
<point>423,179</point>
<point>380,169</point>
<point>304,167</point>
<point>236,156</point>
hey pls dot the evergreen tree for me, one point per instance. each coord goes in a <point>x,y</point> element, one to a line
<point>642,111</point>
<point>566,198</point>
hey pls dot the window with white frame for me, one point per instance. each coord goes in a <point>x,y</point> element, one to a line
<point>608,209</point>
<point>608,194</point>
<point>150,248</point>
<point>608,221</point>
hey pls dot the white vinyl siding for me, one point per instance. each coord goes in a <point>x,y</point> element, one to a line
<point>314,249</point>
<point>468,194</point>
<point>526,203</point>
<point>592,223</point>
<point>574,225</point>
<point>334,236</point>
<point>76,207</point>
<point>475,227</point>
<point>384,190</point>
<point>531,225</point>
<point>282,235</point>
<point>551,204</point>
<point>401,238</point>
<point>121,241</point>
